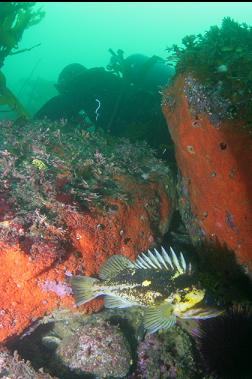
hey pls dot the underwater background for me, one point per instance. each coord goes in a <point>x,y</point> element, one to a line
<point>125,190</point>
<point>83,33</point>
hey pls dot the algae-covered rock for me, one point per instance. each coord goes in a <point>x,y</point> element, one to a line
<point>208,113</point>
<point>167,355</point>
<point>99,349</point>
<point>41,343</point>
<point>221,60</point>
<point>12,367</point>
<point>69,199</point>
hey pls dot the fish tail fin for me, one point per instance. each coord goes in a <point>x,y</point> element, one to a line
<point>83,288</point>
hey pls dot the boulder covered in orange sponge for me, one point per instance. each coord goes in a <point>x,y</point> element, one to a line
<point>68,201</point>
<point>214,157</point>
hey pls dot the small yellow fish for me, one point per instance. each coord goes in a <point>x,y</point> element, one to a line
<point>162,284</point>
<point>39,164</point>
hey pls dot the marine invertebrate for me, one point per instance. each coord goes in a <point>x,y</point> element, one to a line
<point>203,181</point>
<point>97,109</point>
<point>52,223</point>
<point>207,99</point>
<point>48,170</point>
<point>226,343</point>
<point>221,61</point>
<point>60,288</point>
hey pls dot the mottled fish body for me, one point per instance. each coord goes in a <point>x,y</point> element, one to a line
<point>162,283</point>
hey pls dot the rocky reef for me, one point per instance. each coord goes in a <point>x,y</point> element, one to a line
<point>167,355</point>
<point>213,141</point>
<point>111,343</point>
<point>72,197</point>
<point>69,199</point>
<point>100,349</point>
<point>11,366</point>
<point>220,59</point>
<point>214,182</point>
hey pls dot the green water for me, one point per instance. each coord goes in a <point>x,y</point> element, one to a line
<point>83,32</point>
<point>80,156</point>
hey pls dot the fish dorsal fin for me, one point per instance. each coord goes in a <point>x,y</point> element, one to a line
<point>163,261</point>
<point>159,317</point>
<point>116,302</point>
<point>114,265</point>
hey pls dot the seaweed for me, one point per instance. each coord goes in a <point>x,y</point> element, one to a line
<point>15,18</point>
<point>46,168</point>
<point>220,58</point>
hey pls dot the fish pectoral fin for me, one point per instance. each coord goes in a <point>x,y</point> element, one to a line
<point>83,288</point>
<point>114,265</point>
<point>116,302</point>
<point>159,317</point>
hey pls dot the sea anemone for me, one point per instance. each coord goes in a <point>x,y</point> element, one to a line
<point>225,344</point>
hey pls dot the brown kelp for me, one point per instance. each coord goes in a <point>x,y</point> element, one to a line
<point>15,18</point>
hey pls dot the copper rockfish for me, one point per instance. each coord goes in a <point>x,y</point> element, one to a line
<point>163,284</point>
